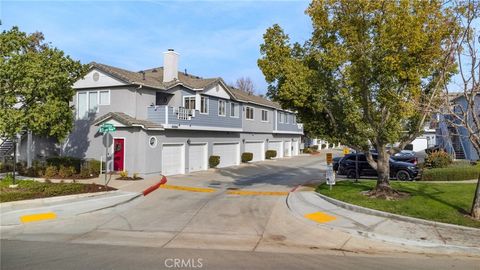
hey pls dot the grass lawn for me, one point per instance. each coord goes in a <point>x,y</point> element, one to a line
<point>28,189</point>
<point>448,203</point>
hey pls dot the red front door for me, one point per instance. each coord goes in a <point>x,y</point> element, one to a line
<point>118,154</point>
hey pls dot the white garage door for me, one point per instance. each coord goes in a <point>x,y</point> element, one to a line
<point>173,159</point>
<point>296,148</point>
<point>257,148</point>
<point>288,148</point>
<point>277,146</point>
<point>197,157</point>
<point>229,154</point>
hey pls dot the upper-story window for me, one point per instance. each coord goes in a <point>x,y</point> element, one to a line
<point>294,119</point>
<point>88,102</point>
<point>286,118</point>
<point>249,113</point>
<point>264,116</point>
<point>280,117</point>
<point>233,110</point>
<point>189,102</point>
<point>204,105</point>
<point>221,107</point>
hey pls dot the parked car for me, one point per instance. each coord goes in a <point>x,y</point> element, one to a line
<point>400,170</point>
<point>406,156</point>
<point>336,162</point>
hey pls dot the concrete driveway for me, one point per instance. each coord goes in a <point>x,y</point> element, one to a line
<point>236,209</point>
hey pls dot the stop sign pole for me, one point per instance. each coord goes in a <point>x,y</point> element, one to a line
<point>105,129</point>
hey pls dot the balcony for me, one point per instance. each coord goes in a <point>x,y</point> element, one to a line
<point>182,118</point>
<point>289,128</point>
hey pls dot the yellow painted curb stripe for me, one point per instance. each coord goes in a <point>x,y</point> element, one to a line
<point>184,188</point>
<point>251,192</point>
<point>38,217</point>
<point>320,217</point>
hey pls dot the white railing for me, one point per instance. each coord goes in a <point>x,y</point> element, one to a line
<point>300,126</point>
<point>183,113</point>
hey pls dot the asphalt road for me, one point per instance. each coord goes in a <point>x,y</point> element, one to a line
<point>224,230</point>
<point>44,255</point>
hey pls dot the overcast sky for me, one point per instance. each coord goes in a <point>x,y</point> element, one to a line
<point>214,38</point>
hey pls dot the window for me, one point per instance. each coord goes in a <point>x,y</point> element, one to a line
<point>104,98</point>
<point>189,102</point>
<point>264,116</point>
<point>152,141</point>
<point>280,117</point>
<point>221,107</point>
<point>92,102</point>
<point>286,118</point>
<point>233,110</point>
<point>204,105</point>
<point>294,119</point>
<point>82,105</point>
<point>249,113</point>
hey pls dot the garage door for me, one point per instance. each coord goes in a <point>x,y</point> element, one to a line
<point>277,146</point>
<point>296,148</point>
<point>257,148</point>
<point>197,157</point>
<point>288,148</point>
<point>173,159</point>
<point>229,154</point>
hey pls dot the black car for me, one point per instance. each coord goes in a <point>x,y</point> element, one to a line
<point>336,162</point>
<point>402,171</point>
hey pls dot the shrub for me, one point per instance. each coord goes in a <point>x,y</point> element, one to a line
<point>307,150</point>
<point>270,154</point>
<point>85,172</point>
<point>324,146</point>
<point>136,177</point>
<point>65,172</point>
<point>315,147</point>
<point>8,177</point>
<point>246,157</point>
<point>93,166</point>
<point>50,171</point>
<point>66,162</point>
<point>123,174</point>
<point>213,161</point>
<point>438,159</point>
<point>456,173</point>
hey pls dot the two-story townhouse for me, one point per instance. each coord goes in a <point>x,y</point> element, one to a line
<point>171,122</point>
<point>451,135</point>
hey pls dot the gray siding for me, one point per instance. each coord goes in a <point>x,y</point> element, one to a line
<point>256,125</point>
<point>290,126</point>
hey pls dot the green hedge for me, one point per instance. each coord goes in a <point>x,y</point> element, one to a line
<point>213,161</point>
<point>66,162</point>
<point>246,157</point>
<point>269,154</point>
<point>456,173</point>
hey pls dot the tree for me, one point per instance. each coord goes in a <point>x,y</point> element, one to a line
<point>369,76</point>
<point>36,83</point>
<point>464,111</point>
<point>245,84</point>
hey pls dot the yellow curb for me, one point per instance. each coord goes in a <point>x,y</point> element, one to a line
<point>320,217</point>
<point>38,217</point>
<point>251,192</point>
<point>184,188</point>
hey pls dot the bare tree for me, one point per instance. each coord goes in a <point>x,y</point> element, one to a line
<point>464,109</point>
<point>245,84</point>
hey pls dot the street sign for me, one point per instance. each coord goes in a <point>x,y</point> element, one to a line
<point>106,128</point>
<point>329,158</point>
<point>346,151</point>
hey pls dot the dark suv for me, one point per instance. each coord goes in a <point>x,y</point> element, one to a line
<point>403,171</point>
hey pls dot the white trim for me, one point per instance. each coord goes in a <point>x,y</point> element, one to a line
<point>288,132</point>
<point>224,108</point>
<point>254,141</point>
<point>107,90</point>
<point>166,114</point>
<point>124,152</point>
<point>276,120</point>
<point>253,113</point>
<point>202,128</point>
<point>236,105</point>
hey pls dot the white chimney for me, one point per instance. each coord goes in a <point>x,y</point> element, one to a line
<point>170,65</point>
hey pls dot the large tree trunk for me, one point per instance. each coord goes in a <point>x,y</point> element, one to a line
<point>383,170</point>
<point>476,202</point>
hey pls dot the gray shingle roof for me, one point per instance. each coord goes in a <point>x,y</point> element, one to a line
<point>154,79</point>
<point>127,120</point>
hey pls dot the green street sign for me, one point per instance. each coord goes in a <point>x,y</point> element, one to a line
<point>106,128</point>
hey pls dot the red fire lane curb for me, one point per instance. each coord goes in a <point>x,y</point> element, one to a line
<point>156,186</point>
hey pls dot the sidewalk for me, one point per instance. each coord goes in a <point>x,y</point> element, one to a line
<point>312,208</point>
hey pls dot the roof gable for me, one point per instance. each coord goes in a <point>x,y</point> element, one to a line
<point>98,78</point>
